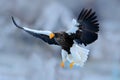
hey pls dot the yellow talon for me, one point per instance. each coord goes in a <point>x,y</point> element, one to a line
<point>62,64</point>
<point>71,65</point>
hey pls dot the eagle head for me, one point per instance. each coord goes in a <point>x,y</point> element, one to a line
<point>56,35</point>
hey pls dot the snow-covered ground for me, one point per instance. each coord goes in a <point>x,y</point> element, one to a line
<point>23,57</point>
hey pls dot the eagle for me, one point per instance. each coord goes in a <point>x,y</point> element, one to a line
<point>83,31</point>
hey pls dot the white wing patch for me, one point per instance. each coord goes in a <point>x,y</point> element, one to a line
<point>73,27</point>
<point>78,55</point>
<point>37,31</point>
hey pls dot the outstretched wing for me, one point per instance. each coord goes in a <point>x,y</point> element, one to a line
<point>88,21</point>
<point>85,28</point>
<point>88,26</point>
<point>44,35</point>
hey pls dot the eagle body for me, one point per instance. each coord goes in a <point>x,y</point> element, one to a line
<point>64,40</point>
<point>83,30</point>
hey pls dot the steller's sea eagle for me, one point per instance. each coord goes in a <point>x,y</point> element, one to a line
<point>84,30</point>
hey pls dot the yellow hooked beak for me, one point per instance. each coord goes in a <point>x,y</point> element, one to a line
<point>52,35</point>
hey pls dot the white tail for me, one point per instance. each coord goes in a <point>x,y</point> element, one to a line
<point>78,55</point>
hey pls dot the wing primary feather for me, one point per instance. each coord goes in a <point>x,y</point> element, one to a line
<point>81,13</point>
<point>84,14</point>
<point>94,21</point>
<point>88,27</point>
<point>91,15</point>
<point>88,20</point>
<point>88,13</point>
<point>16,23</point>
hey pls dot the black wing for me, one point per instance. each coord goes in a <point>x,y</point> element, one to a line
<point>37,33</point>
<point>88,27</point>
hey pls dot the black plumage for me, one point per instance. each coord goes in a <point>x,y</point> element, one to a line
<point>64,40</point>
<point>89,26</point>
<point>86,33</point>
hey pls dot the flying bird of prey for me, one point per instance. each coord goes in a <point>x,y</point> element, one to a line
<point>83,30</point>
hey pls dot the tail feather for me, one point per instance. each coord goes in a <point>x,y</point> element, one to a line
<point>78,55</point>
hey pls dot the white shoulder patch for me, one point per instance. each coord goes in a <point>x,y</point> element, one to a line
<point>74,22</point>
<point>78,55</point>
<point>73,27</point>
<point>37,31</point>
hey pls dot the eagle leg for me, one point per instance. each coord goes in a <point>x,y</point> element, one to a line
<point>64,58</point>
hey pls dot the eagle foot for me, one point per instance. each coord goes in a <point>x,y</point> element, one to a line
<point>62,64</point>
<point>71,65</point>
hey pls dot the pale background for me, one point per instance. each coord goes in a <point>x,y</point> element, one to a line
<point>23,57</point>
